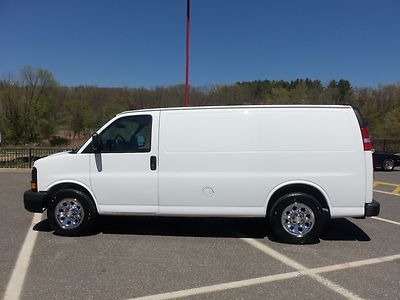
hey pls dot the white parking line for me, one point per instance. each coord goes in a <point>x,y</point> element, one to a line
<point>220,287</point>
<point>266,279</point>
<point>387,193</point>
<point>355,264</point>
<point>386,220</point>
<point>14,286</point>
<point>291,263</point>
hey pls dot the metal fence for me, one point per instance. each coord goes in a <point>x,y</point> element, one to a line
<point>24,157</point>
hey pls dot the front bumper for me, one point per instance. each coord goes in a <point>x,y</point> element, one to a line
<point>372,209</point>
<point>35,202</point>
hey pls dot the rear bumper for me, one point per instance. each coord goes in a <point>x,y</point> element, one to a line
<point>372,209</point>
<point>35,202</point>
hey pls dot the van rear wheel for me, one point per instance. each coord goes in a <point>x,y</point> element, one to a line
<point>297,218</point>
<point>71,213</point>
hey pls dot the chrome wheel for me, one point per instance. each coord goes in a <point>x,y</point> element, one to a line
<point>298,219</point>
<point>388,164</point>
<point>69,213</point>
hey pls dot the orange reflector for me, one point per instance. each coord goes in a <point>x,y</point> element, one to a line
<point>33,186</point>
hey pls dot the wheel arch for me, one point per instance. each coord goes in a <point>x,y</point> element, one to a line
<point>72,184</point>
<point>298,186</point>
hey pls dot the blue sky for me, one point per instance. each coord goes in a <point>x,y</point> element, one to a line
<point>142,43</point>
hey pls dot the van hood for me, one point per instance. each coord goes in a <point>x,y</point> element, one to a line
<point>50,157</point>
<point>58,154</point>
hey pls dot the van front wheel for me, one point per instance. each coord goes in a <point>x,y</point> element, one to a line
<point>297,218</point>
<point>71,213</point>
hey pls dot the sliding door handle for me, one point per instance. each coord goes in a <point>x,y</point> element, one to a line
<point>153,163</point>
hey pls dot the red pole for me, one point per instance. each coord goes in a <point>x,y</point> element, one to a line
<point>187,52</point>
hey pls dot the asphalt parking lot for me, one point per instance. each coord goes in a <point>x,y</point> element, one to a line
<point>197,258</point>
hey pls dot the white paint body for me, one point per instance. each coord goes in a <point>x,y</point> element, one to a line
<point>225,161</point>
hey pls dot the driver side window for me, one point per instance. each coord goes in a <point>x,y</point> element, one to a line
<point>130,134</point>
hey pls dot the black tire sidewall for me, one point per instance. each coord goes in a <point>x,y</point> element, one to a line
<point>89,208</point>
<point>276,212</point>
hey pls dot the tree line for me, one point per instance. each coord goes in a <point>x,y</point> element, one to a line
<point>34,107</point>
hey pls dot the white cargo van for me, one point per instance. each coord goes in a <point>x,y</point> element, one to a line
<point>295,165</point>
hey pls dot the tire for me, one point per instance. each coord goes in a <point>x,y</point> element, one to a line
<point>388,165</point>
<point>71,213</point>
<point>297,218</point>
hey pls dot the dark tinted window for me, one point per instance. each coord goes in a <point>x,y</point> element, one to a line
<point>360,118</point>
<point>127,135</point>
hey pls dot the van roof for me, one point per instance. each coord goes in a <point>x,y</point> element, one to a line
<point>234,107</point>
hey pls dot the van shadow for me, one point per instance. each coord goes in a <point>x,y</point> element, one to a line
<point>336,230</point>
<point>344,230</point>
<point>43,226</point>
<point>186,227</point>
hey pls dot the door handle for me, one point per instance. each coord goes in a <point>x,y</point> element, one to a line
<point>153,163</point>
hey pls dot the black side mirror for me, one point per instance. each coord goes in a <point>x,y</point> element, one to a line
<point>95,142</point>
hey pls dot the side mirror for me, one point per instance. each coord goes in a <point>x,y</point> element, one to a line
<point>95,142</point>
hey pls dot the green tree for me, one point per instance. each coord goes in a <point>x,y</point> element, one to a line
<point>11,112</point>
<point>391,124</point>
<point>38,86</point>
<point>29,105</point>
<point>78,116</point>
<point>340,91</point>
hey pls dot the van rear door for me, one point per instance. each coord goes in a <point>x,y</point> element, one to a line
<point>369,169</point>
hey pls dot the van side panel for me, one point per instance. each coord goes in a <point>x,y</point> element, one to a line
<point>234,157</point>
